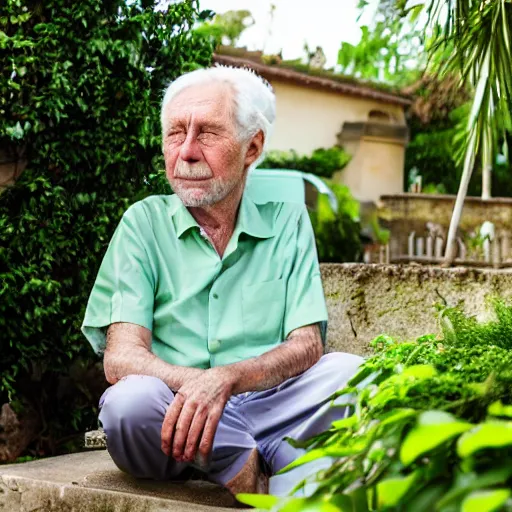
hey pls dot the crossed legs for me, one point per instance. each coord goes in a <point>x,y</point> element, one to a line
<point>252,427</point>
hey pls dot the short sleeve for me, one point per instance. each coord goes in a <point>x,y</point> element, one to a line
<point>305,301</point>
<point>124,288</point>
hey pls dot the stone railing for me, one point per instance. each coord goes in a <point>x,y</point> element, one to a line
<point>489,251</point>
<point>407,212</point>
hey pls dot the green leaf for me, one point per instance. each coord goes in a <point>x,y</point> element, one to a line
<point>356,501</point>
<point>307,505</point>
<point>426,497</point>
<point>433,429</point>
<point>345,423</point>
<point>419,371</point>
<point>329,451</point>
<point>261,501</point>
<point>397,416</point>
<point>392,490</point>
<point>467,482</point>
<point>488,435</point>
<point>415,11</point>
<point>485,501</point>
<point>498,409</point>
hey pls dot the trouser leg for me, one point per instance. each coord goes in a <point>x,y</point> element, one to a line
<point>299,408</point>
<point>235,460</point>
<point>132,412</point>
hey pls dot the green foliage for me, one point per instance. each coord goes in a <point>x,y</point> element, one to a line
<point>429,429</point>
<point>80,88</point>
<point>227,27</point>
<point>337,234</point>
<point>390,51</point>
<point>432,151</point>
<point>322,162</point>
<point>391,48</point>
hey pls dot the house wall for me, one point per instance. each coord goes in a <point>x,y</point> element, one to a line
<point>376,168</point>
<point>309,118</point>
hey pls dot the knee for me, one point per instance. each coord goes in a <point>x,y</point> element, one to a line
<point>338,368</point>
<point>342,364</point>
<point>134,398</point>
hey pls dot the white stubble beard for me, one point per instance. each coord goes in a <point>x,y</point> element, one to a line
<point>218,188</point>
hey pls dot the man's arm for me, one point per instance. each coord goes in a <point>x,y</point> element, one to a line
<point>128,352</point>
<point>301,350</point>
<point>191,420</point>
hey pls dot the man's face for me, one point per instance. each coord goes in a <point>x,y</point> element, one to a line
<point>204,161</point>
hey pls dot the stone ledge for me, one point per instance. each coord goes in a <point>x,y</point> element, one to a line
<point>364,301</point>
<point>90,482</point>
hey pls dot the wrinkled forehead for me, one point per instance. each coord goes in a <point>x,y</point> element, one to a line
<point>202,102</point>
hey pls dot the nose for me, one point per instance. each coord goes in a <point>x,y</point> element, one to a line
<point>190,151</point>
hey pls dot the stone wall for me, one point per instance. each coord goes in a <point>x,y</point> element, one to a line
<point>410,212</point>
<point>367,300</point>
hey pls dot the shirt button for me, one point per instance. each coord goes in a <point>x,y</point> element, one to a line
<point>214,346</point>
<point>215,296</point>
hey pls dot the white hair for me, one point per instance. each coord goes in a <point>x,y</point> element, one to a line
<point>255,102</point>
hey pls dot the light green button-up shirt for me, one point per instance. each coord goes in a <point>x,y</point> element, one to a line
<point>160,272</point>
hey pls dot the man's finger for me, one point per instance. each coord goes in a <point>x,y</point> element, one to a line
<point>194,434</point>
<point>171,417</point>
<point>210,428</point>
<point>181,429</point>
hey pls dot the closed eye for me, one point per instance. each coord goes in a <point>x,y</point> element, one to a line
<point>176,136</point>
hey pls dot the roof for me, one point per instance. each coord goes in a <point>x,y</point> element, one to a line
<point>321,81</point>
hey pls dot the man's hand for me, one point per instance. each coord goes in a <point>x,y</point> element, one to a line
<point>191,420</point>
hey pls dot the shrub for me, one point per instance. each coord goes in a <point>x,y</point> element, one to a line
<point>337,235</point>
<point>80,88</point>
<point>322,162</point>
<point>429,429</point>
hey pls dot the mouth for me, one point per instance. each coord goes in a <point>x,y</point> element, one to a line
<point>193,180</point>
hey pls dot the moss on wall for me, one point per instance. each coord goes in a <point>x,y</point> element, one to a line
<point>367,300</point>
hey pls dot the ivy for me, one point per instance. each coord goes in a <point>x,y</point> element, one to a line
<point>80,89</point>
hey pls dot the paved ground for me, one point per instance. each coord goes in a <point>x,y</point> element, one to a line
<point>90,482</point>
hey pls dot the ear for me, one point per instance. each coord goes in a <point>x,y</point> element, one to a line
<point>254,149</point>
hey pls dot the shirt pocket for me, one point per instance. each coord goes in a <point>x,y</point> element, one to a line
<point>263,307</point>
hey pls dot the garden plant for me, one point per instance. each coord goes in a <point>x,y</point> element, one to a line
<point>431,428</point>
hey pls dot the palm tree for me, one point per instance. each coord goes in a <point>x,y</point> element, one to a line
<point>479,35</point>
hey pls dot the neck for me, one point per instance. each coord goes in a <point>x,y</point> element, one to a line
<point>219,220</point>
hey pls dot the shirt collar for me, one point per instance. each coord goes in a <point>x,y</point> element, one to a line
<point>253,219</point>
<point>182,218</point>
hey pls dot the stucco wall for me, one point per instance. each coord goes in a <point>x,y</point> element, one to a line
<point>376,168</point>
<point>309,118</point>
<point>367,300</point>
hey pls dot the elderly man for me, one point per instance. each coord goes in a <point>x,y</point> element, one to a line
<point>207,306</point>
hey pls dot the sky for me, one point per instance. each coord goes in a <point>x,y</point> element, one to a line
<point>322,23</point>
